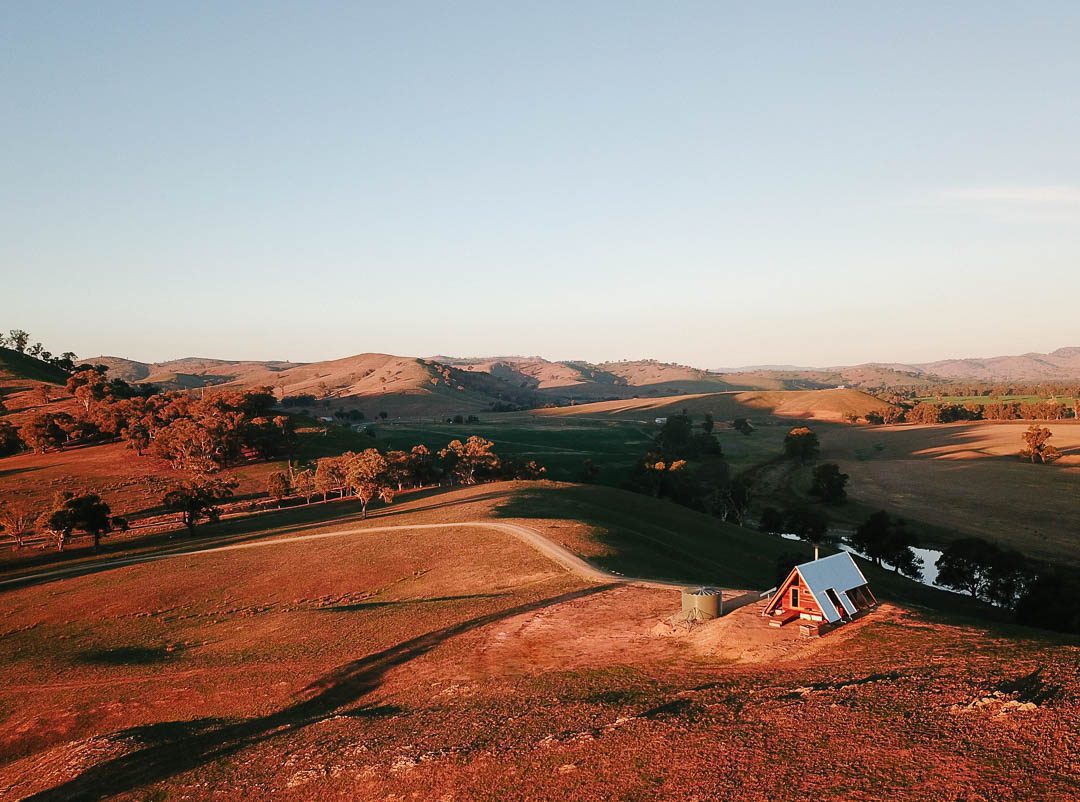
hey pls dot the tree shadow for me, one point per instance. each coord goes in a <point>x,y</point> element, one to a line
<point>172,747</point>
<point>16,471</point>
<point>643,536</point>
<point>125,656</point>
<point>374,711</point>
<point>366,605</point>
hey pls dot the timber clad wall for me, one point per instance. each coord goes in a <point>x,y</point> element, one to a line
<point>806,598</point>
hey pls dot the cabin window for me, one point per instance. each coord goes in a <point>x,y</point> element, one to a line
<point>794,597</point>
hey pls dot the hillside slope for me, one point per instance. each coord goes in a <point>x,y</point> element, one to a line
<point>1062,364</point>
<point>583,381</point>
<point>446,385</point>
<point>414,664</point>
<point>15,366</point>
<point>198,371</point>
<point>827,405</point>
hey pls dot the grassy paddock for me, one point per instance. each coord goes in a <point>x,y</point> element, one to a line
<point>563,444</point>
<point>962,479</point>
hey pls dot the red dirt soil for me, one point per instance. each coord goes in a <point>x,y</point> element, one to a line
<point>460,664</point>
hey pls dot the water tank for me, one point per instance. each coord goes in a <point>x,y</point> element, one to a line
<point>701,603</point>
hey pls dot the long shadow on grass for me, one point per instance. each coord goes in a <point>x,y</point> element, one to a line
<point>15,471</point>
<point>368,605</point>
<point>174,747</point>
<point>125,656</point>
<point>647,537</point>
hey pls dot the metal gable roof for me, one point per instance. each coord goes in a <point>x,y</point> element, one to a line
<point>838,573</point>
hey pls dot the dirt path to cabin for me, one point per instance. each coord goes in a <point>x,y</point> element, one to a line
<point>531,537</point>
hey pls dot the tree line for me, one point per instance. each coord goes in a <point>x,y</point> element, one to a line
<point>198,434</point>
<point>1046,596</point>
<point>978,389</point>
<point>367,476</point>
<point>938,412</point>
<point>372,473</point>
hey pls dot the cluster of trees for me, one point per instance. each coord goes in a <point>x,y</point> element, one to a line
<point>685,464</point>
<point>196,434</point>
<point>808,523</point>
<point>828,484</point>
<point>460,419</point>
<point>19,341</point>
<point>1046,596</point>
<point>372,474</point>
<point>878,417</point>
<point>887,541</point>
<point>938,412</point>
<point>199,499</point>
<point>365,475</point>
<point>10,440</point>
<point>991,390</point>
<point>68,513</point>
<point>802,444</point>
<point>302,400</point>
<point>985,571</point>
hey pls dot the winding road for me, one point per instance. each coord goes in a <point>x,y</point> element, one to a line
<point>531,537</point>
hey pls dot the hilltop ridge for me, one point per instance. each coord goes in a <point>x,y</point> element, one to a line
<point>443,384</point>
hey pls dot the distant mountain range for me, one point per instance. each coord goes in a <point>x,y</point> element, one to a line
<point>411,385</point>
<point>1060,365</point>
<point>1064,363</point>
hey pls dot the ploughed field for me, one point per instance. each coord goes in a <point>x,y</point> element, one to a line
<point>461,663</point>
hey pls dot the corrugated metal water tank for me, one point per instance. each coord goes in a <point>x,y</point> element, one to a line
<point>701,602</point>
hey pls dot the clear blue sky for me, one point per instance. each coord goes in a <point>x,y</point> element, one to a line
<point>710,183</point>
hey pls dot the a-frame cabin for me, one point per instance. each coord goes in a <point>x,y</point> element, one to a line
<point>825,592</point>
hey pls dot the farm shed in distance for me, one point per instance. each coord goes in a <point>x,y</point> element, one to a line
<point>823,593</point>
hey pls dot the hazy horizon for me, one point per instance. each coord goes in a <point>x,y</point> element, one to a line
<point>704,184</point>
<point>497,354</point>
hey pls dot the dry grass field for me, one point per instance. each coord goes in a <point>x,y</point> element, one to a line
<point>461,664</point>
<point>827,405</point>
<point>130,484</point>
<point>966,477</point>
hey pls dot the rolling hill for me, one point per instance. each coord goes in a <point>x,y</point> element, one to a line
<point>402,386</point>
<point>440,385</point>
<point>1062,364</point>
<point>405,386</point>
<point>390,658</point>
<point>15,366</point>
<point>826,405</point>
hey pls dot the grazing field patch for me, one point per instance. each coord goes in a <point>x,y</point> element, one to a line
<point>966,478</point>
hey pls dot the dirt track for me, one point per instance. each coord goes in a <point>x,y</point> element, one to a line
<point>564,557</point>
